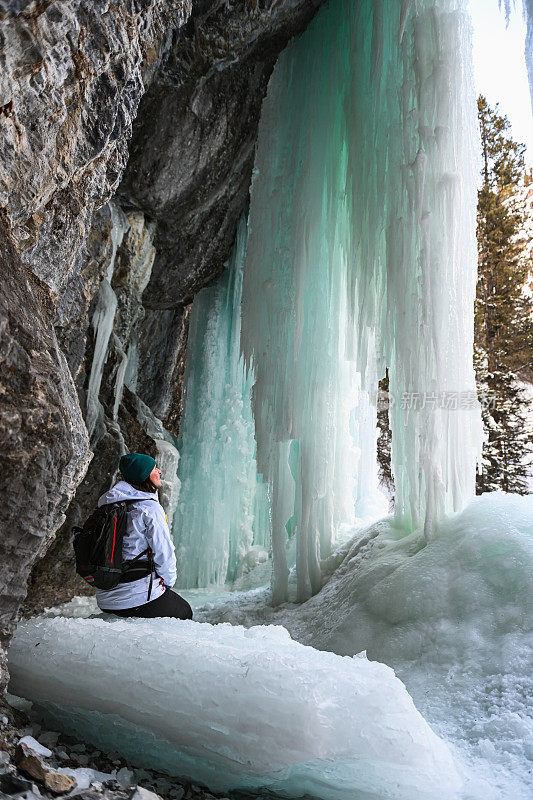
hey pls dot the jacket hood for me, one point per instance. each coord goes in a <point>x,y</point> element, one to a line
<point>124,491</point>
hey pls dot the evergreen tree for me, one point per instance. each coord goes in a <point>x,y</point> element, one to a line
<point>503,314</point>
<point>384,436</point>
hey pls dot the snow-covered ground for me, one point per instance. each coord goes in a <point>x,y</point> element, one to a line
<point>250,708</point>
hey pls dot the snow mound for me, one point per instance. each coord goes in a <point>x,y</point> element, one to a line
<point>232,707</point>
<point>456,599</point>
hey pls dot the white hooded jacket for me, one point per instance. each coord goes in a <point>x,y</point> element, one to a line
<point>146,527</point>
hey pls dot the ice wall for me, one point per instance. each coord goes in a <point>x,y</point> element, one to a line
<point>413,179</point>
<point>232,707</point>
<point>223,506</point>
<point>362,255</point>
<point>295,299</point>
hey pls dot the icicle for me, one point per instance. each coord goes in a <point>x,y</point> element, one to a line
<point>168,459</point>
<point>507,6</point>
<point>527,6</point>
<point>221,511</point>
<point>119,380</point>
<point>405,9</point>
<point>528,11</point>
<point>294,295</point>
<point>119,226</point>
<point>102,322</point>
<point>413,173</point>
<point>132,366</point>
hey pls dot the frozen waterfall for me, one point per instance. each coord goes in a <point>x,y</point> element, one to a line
<point>362,255</point>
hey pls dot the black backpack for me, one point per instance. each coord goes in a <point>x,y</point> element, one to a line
<point>98,549</point>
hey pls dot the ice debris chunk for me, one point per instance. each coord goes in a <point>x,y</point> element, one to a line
<point>32,744</point>
<point>232,707</point>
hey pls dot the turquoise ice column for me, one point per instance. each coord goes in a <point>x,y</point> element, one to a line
<point>414,165</point>
<point>223,507</point>
<point>295,299</point>
<point>362,255</point>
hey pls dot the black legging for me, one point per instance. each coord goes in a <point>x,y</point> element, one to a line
<point>169,604</point>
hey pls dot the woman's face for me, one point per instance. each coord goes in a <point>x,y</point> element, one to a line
<point>155,477</point>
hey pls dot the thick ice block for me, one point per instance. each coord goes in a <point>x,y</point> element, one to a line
<point>232,707</point>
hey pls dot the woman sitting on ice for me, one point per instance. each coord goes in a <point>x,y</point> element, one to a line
<point>146,528</point>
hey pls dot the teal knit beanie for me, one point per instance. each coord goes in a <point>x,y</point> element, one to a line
<point>136,467</point>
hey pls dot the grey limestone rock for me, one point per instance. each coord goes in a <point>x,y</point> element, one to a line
<point>162,350</point>
<point>72,73</point>
<point>45,449</point>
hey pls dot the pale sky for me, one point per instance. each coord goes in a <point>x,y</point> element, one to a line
<point>500,69</point>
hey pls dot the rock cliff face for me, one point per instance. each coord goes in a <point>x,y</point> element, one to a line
<point>44,442</point>
<point>127,132</point>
